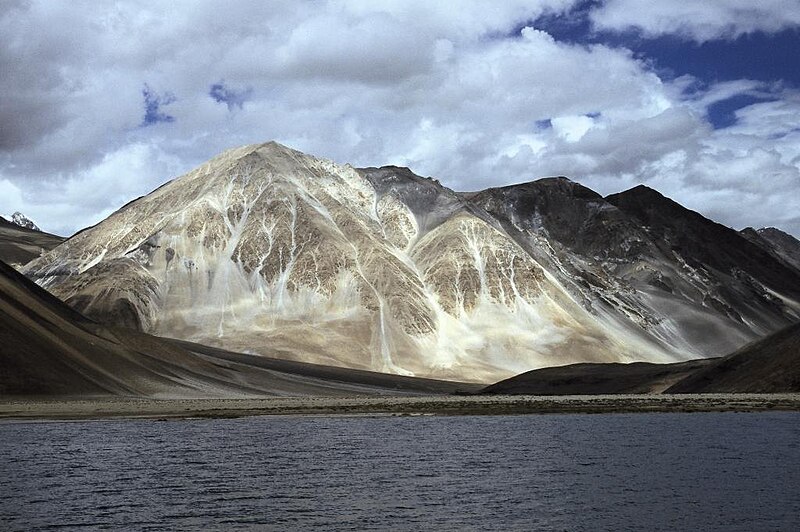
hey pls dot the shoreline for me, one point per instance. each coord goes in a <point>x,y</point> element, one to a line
<point>43,409</point>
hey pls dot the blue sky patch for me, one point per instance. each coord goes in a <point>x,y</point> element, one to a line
<point>221,93</point>
<point>152,106</point>
<point>722,114</point>
<point>768,58</point>
<point>757,56</point>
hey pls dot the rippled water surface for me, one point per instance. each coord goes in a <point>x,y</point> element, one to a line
<point>571,472</point>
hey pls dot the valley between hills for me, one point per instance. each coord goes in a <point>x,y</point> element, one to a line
<point>267,272</point>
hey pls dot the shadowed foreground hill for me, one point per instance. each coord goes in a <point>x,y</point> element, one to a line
<point>598,379</point>
<point>48,349</point>
<point>769,365</point>
<point>19,245</point>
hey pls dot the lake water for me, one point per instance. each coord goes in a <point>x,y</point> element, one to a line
<point>555,472</point>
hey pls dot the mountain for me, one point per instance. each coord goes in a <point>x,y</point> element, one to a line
<point>266,250</point>
<point>19,244</point>
<point>48,349</point>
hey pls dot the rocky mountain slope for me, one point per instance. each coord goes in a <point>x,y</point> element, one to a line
<point>264,249</point>
<point>639,259</point>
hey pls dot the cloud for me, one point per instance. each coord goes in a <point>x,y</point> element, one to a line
<point>698,21</point>
<point>93,194</point>
<point>10,197</point>
<point>474,96</point>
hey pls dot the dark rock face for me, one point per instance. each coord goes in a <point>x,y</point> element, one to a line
<point>742,279</point>
<point>575,216</point>
<point>703,243</point>
<point>429,201</point>
<point>649,261</point>
<point>784,246</point>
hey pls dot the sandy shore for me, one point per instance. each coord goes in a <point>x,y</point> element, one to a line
<point>102,408</point>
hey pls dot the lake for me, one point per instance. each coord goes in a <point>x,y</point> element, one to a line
<point>709,471</point>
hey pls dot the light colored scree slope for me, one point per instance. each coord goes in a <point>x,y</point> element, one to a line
<point>267,250</point>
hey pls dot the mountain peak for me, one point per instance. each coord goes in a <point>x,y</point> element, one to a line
<point>703,242</point>
<point>554,179</point>
<point>555,185</point>
<point>781,243</point>
<point>272,146</point>
<point>774,231</point>
<point>21,220</point>
<point>265,149</point>
<point>641,190</point>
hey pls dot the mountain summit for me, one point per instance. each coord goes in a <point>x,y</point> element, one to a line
<point>267,250</point>
<point>23,221</point>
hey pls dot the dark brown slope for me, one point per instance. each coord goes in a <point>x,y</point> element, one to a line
<point>598,379</point>
<point>769,365</point>
<point>46,348</point>
<point>19,245</point>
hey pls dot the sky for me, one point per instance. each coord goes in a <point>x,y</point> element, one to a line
<point>104,102</point>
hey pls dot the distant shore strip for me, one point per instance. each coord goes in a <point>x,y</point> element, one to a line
<point>18,409</point>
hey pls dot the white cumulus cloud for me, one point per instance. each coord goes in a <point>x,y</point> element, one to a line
<point>698,20</point>
<point>476,96</point>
